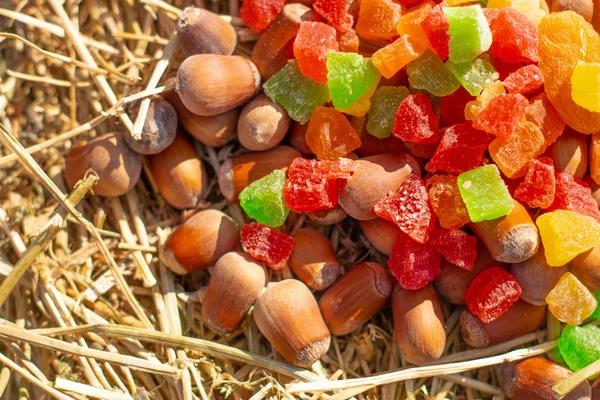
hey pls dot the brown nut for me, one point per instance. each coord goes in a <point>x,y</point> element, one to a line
<point>520,319</point>
<point>275,45</point>
<point>203,32</point>
<point>297,138</point>
<point>586,267</point>
<point>118,167</point>
<point>199,242</point>
<point>372,180</point>
<point>236,282</point>
<point>452,282</point>
<point>239,172</point>
<point>533,378</point>
<point>585,8</point>
<point>418,324</point>
<point>382,234</point>
<point>262,124</point>
<point>159,130</point>
<point>570,153</point>
<point>179,173</point>
<point>313,259</point>
<point>215,130</point>
<point>210,84</point>
<point>356,297</point>
<point>287,314</point>
<point>328,217</point>
<point>536,277</point>
<point>512,238</point>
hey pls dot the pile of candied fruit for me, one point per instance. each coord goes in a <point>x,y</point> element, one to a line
<point>485,101</point>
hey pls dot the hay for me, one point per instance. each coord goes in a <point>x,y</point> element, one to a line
<point>95,313</point>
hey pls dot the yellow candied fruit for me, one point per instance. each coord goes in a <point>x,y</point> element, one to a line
<point>473,108</point>
<point>585,88</point>
<point>360,107</point>
<point>570,301</point>
<point>533,9</point>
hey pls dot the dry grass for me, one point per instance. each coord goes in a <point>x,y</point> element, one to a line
<point>94,313</point>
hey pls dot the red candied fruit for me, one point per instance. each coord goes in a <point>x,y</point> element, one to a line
<point>575,195</point>
<point>436,27</point>
<point>310,49</point>
<point>266,244</point>
<point>539,186</point>
<point>453,106</point>
<point>501,116</point>
<point>335,12</point>
<point>503,68</point>
<point>524,80</point>
<point>413,264</point>
<point>492,293</point>
<point>458,247</point>
<point>312,185</point>
<point>415,120</point>
<point>461,149</point>
<point>258,14</point>
<point>409,208</point>
<point>515,36</point>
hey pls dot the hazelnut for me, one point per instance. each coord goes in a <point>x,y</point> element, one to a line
<point>262,124</point>
<point>199,242</point>
<point>203,32</point>
<point>118,167</point>
<point>313,259</point>
<point>159,130</point>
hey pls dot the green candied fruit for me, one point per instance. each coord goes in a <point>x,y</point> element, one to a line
<point>263,200</point>
<point>484,193</point>
<point>384,103</point>
<point>349,77</point>
<point>429,73</point>
<point>295,92</point>
<point>474,75</point>
<point>580,346</point>
<point>470,34</point>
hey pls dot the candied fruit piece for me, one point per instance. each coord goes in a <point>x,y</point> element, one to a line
<point>436,28</point>
<point>535,10</point>
<point>382,114</point>
<point>313,185</point>
<point>565,39</point>
<point>470,34</point>
<point>539,186</point>
<point>295,92</point>
<point>263,200</point>
<point>585,85</point>
<point>429,73</point>
<point>570,301</point>
<point>409,208</point>
<point>458,247</point>
<point>462,148</point>
<point>310,49</point>
<point>566,234</point>
<point>579,346</point>
<point>330,135</point>
<point>492,293</point>
<point>542,113</point>
<point>484,193</point>
<point>348,41</point>
<point>395,56</point>
<point>410,23</point>
<point>335,12</point>
<point>446,201</point>
<point>515,37</point>
<point>575,195</point>
<point>474,75</point>
<point>453,106</point>
<point>473,108</point>
<point>377,19</point>
<point>413,264</point>
<point>525,80</point>
<point>258,14</point>
<point>502,114</point>
<point>512,154</point>
<point>266,244</point>
<point>349,77</point>
<point>415,121</point>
